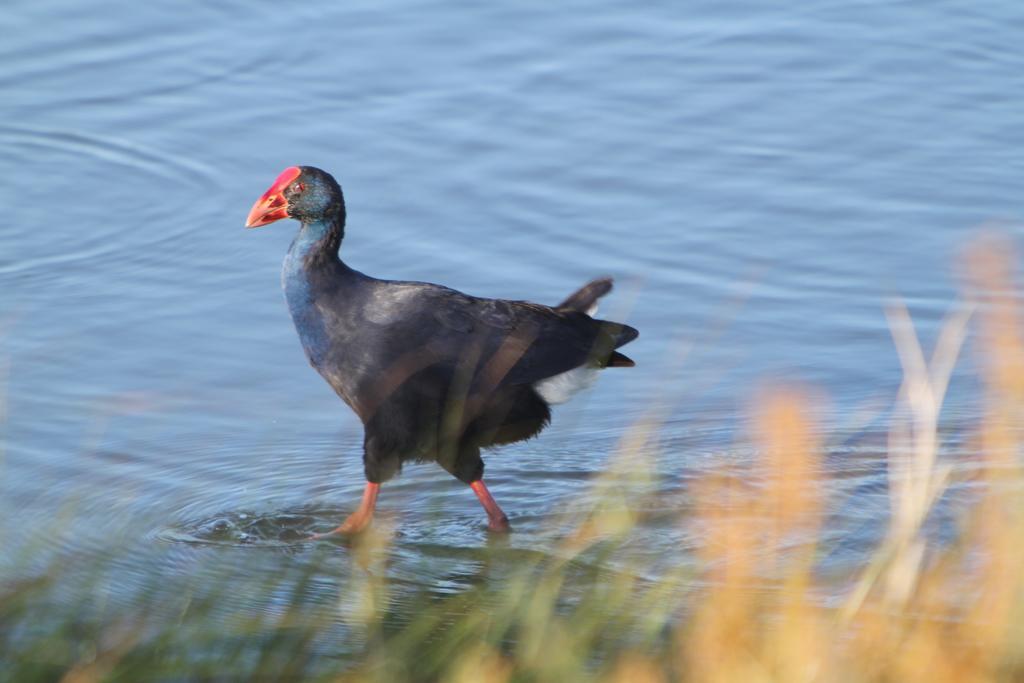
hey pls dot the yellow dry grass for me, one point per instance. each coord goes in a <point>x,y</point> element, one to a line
<point>916,613</point>
<point>744,604</point>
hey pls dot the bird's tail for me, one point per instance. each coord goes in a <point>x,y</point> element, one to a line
<point>615,335</point>
<point>585,298</point>
<point>612,336</point>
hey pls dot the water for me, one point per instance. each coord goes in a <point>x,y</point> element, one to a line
<point>759,180</point>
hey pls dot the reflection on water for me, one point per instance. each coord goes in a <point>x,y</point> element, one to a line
<point>757,179</point>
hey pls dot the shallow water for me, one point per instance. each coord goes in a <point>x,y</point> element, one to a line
<point>758,180</point>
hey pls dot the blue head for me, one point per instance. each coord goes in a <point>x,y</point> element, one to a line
<point>304,193</point>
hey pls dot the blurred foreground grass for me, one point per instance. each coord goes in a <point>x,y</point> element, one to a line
<point>753,611</point>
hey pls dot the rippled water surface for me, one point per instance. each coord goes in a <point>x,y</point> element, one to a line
<point>757,179</point>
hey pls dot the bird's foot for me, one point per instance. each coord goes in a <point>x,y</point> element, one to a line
<point>357,522</point>
<point>499,525</point>
<point>354,525</point>
<point>496,519</point>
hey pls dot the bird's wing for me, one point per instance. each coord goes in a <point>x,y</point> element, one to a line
<point>518,342</point>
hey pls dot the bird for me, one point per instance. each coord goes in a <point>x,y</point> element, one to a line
<point>433,374</point>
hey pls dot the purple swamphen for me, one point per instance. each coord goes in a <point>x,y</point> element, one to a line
<point>434,374</point>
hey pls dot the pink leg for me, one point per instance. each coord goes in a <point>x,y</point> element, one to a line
<point>497,521</point>
<point>359,519</point>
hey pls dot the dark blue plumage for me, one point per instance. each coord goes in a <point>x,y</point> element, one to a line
<point>434,374</point>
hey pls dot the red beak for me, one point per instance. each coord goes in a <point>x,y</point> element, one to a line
<point>272,206</point>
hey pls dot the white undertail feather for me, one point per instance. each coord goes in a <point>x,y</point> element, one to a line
<point>561,388</point>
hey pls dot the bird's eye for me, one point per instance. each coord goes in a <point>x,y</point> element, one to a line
<point>298,188</point>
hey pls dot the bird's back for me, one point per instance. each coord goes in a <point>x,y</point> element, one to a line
<point>383,334</point>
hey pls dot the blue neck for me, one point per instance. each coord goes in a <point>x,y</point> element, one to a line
<point>318,235</point>
<point>316,244</point>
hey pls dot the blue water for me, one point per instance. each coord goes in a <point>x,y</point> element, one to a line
<point>759,180</point>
